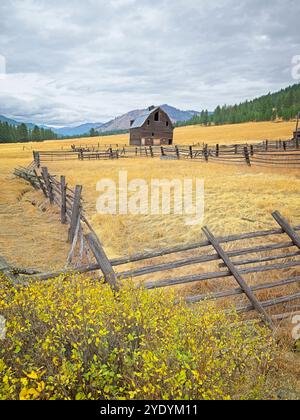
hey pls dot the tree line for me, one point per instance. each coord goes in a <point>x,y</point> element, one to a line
<point>21,133</point>
<point>284,105</point>
<point>95,133</point>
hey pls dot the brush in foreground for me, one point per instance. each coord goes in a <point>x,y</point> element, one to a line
<point>77,339</point>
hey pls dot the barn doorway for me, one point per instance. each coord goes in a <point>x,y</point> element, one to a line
<point>148,142</point>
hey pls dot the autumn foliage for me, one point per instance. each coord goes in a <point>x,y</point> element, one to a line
<point>73,339</point>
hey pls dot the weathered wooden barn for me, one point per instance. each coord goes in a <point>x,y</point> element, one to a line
<point>153,128</point>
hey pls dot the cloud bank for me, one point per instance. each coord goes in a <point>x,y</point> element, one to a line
<point>73,61</point>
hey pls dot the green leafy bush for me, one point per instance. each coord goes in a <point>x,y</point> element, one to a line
<point>73,339</point>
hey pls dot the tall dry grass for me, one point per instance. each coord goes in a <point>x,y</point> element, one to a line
<point>237,199</point>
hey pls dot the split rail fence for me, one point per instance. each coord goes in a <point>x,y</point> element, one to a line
<point>275,251</point>
<point>268,153</point>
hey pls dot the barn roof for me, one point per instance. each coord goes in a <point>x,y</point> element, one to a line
<point>140,121</point>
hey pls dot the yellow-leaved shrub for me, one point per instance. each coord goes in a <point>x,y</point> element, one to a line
<point>74,339</point>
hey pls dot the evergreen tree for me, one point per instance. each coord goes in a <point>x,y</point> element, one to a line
<point>22,132</point>
<point>36,134</point>
<point>93,132</point>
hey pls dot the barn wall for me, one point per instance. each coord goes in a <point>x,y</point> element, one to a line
<point>135,136</point>
<point>154,130</point>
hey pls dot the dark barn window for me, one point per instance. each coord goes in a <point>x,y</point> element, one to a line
<point>167,123</point>
<point>156,116</point>
<point>148,122</point>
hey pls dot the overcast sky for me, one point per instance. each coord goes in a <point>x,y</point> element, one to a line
<point>73,61</point>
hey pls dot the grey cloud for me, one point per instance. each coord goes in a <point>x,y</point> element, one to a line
<point>88,61</point>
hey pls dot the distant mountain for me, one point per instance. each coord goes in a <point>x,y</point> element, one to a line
<point>123,122</point>
<point>76,131</point>
<point>15,122</point>
<point>8,120</point>
<point>178,115</point>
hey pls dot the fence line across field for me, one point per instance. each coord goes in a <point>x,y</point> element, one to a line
<point>267,153</point>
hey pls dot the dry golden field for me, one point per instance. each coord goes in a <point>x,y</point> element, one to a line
<point>231,134</point>
<point>237,199</point>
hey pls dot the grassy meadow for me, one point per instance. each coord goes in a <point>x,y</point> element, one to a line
<point>237,199</point>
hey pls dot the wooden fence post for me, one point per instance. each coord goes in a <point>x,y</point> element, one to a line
<point>63,210</point>
<point>247,156</point>
<point>177,152</point>
<point>297,123</point>
<point>191,152</point>
<point>205,152</point>
<point>151,151</point>
<point>37,159</point>
<point>235,149</point>
<point>267,145</point>
<point>217,150</point>
<point>162,151</point>
<point>284,146</point>
<point>76,209</point>
<point>111,153</point>
<point>101,258</point>
<point>47,181</point>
